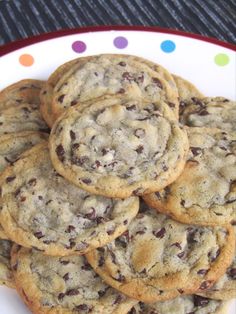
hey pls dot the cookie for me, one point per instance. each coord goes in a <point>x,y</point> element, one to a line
<point>25,91</point>
<point>117,147</point>
<point>11,146</point>
<point>41,209</point>
<point>6,277</point>
<point>24,117</point>
<point>157,256</point>
<point>189,304</point>
<point>205,192</point>
<point>111,75</point>
<point>217,112</point>
<point>225,287</point>
<point>64,285</point>
<point>186,89</point>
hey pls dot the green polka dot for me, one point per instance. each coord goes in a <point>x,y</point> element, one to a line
<point>221,59</point>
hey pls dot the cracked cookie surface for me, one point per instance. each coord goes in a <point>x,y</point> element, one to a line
<point>218,112</point>
<point>189,304</point>
<point>66,285</point>
<point>41,209</point>
<point>157,256</point>
<point>24,91</point>
<point>118,147</point>
<point>109,75</point>
<point>205,192</point>
<point>11,146</point>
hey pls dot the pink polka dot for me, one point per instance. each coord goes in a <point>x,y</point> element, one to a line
<point>120,42</point>
<point>79,46</point>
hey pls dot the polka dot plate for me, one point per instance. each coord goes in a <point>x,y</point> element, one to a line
<point>207,63</point>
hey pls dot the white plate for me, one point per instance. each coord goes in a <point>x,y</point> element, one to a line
<point>207,63</point>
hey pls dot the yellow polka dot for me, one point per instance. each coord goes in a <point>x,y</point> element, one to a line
<point>26,60</point>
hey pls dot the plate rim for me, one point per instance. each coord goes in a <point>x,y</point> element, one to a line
<point>15,45</point>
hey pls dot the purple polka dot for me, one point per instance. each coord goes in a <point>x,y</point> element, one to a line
<point>120,42</point>
<point>79,46</point>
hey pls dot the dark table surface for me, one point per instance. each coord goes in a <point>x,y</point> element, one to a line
<point>24,18</point>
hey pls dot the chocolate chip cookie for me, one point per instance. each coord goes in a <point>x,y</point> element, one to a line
<point>218,112</point>
<point>24,117</point>
<point>41,209</point>
<point>205,192</point>
<point>64,285</point>
<point>117,147</point>
<point>25,91</point>
<point>157,254</point>
<point>111,75</point>
<point>189,304</point>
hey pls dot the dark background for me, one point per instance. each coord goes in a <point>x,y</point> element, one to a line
<point>23,18</point>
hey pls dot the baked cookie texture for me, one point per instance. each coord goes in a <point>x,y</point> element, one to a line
<point>158,258</point>
<point>213,112</point>
<point>117,147</point>
<point>67,285</point>
<point>41,209</point>
<point>6,277</point>
<point>205,192</point>
<point>182,305</point>
<point>24,117</point>
<point>110,75</point>
<point>24,91</point>
<point>186,89</point>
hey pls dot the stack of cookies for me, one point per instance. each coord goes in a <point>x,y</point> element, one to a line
<point>130,205</point>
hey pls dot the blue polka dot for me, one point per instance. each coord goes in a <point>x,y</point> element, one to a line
<point>168,46</point>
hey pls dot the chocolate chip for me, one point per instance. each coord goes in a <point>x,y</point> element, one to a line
<point>73,102</point>
<point>96,165</point>
<point>232,273</point>
<point>70,228</point>
<point>86,181</point>
<point>165,168</point>
<point>84,307</point>
<point>125,222</point>
<point>60,98</point>
<point>139,133</point>
<point>91,215</point>
<point>202,271</point>
<point>181,291</point>
<point>157,82</point>
<point>61,296</point>
<point>182,202</point>
<point>177,244</point>
<point>200,301</point>
<point>118,299</point>
<point>72,243</point>
<point>40,197</point>
<point>203,112</point>
<point>72,292</point>
<point>64,262</point>
<point>66,276</point>
<point>213,258</point>
<point>138,191</point>
<point>181,254</point>
<point>32,182</point>
<point>139,79</point>
<point>75,146</point>
<point>171,104</point>
<point>140,232</point>
<point>205,285</point>
<point>110,232</point>
<point>101,261</point>
<point>60,152</point>
<point>139,149</point>
<point>127,76</point>
<point>160,233</point>
<point>195,150</point>
<point>122,64</point>
<point>233,222</point>
<point>10,179</point>
<point>121,91</point>
<point>130,108</point>
<point>72,135</point>
<point>101,293</point>
<point>38,234</point>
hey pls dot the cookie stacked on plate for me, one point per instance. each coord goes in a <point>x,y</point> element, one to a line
<point>115,214</point>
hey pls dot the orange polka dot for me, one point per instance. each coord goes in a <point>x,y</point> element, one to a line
<point>26,60</point>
